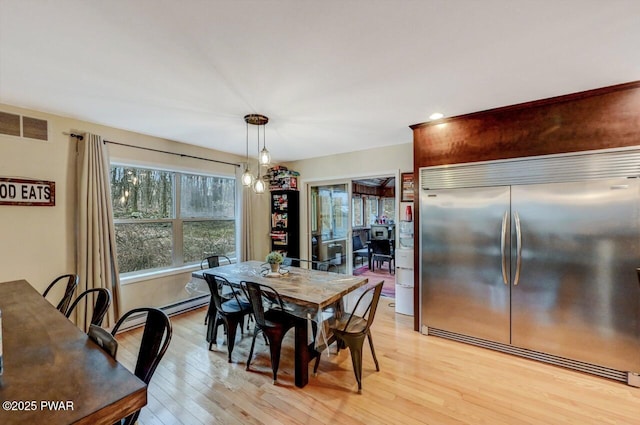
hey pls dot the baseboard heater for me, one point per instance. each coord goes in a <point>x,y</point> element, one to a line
<point>137,320</point>
<point>626,377</point>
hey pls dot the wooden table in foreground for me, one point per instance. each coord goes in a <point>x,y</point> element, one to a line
<point>53,373</point>
<point>311,290</point>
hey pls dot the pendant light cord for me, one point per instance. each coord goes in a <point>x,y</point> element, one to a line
<point>247,144</point>
<point>258,152</point>
<point>264,138</point>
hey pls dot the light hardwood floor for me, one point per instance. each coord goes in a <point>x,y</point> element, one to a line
<point>423,380</point>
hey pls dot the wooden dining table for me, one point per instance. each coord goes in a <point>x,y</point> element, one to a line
<point>308,292</point>
<point>53,373</point>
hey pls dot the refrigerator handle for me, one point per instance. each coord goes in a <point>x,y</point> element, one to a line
<point>503,243</point>
<point>516,218</point>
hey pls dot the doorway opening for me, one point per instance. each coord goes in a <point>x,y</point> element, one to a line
<point>374,212</point>
<point>353,227</point>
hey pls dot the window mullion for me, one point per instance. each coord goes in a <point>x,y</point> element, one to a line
<point>178,239</point>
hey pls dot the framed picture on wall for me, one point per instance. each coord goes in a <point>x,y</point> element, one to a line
<point>408,187</point>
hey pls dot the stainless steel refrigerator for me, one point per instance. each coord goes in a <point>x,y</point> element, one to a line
<point>536,257</point>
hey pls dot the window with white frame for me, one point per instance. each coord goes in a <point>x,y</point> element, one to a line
<point>166,219</point>
<point>388,208</point>
<point>357,209</point>
<point>370,210</point>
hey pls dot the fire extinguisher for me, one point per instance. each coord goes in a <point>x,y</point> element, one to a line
<point>408,214</point>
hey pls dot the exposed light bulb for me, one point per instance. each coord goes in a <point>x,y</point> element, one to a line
<point>258,186</point>
<point>247,177</point>
<point>265,157</point>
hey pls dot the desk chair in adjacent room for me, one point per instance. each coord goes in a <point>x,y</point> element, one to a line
<point>381,251</point>
<point>359,250</point>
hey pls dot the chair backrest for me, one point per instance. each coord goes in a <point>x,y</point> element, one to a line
<point>155,341</point>
<point>102,302</point>
<point>319,265</point>
<point>214,288</point>
<point>357,243</point>
<point>288,261</point>
<point>213,261</point>
<point>217,286</point>
<point>72,283</point>
<point>325,266</point>
<point>380,246</point>
<point>259,294</point>
<point>294,262</point>
<point>103,339</point>
<point>372,294</point>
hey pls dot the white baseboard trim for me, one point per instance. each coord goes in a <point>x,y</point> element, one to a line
<point>137,320</point>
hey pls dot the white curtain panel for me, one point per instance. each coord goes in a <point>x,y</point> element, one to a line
<point>96,245</point>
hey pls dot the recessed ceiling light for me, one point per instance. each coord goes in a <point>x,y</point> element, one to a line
<point>436,116</point>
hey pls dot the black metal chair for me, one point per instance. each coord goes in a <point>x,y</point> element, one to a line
<point>102,302</point>
<point>213,261</point>
<point>351,329</point>
<point>229,313</point>
<point>103,339</point>
<point>381,251</point>
<point>72,283</point>
<point>274,322</point>
<point>155,341</point>
<point>325,266</point>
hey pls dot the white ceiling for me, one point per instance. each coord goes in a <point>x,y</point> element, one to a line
<point>333,76</point>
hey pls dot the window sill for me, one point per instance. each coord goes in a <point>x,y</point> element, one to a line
<point>142,277</point>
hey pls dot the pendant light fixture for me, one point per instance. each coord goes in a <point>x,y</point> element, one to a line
<point>264,158</point>
<point>247,177</point>
<point>258,120</point>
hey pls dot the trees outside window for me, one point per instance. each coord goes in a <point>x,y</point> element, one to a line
<point>357,210</point>
<point>389,208</point>
<point>166,219</point>
<point>370,210</point>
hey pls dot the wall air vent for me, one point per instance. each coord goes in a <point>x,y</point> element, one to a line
<point>9,124</point>
<point>23,126</point>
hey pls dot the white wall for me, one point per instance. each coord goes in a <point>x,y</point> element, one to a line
<point>38,242</point>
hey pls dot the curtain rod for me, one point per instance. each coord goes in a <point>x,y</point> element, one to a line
<point>81,137</point>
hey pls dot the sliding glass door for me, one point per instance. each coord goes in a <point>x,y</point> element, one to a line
<point>330,223</point>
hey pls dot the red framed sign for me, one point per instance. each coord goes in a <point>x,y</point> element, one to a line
<point>27,192</point>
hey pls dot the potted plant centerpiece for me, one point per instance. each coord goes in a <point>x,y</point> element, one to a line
<point>274,258</point>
